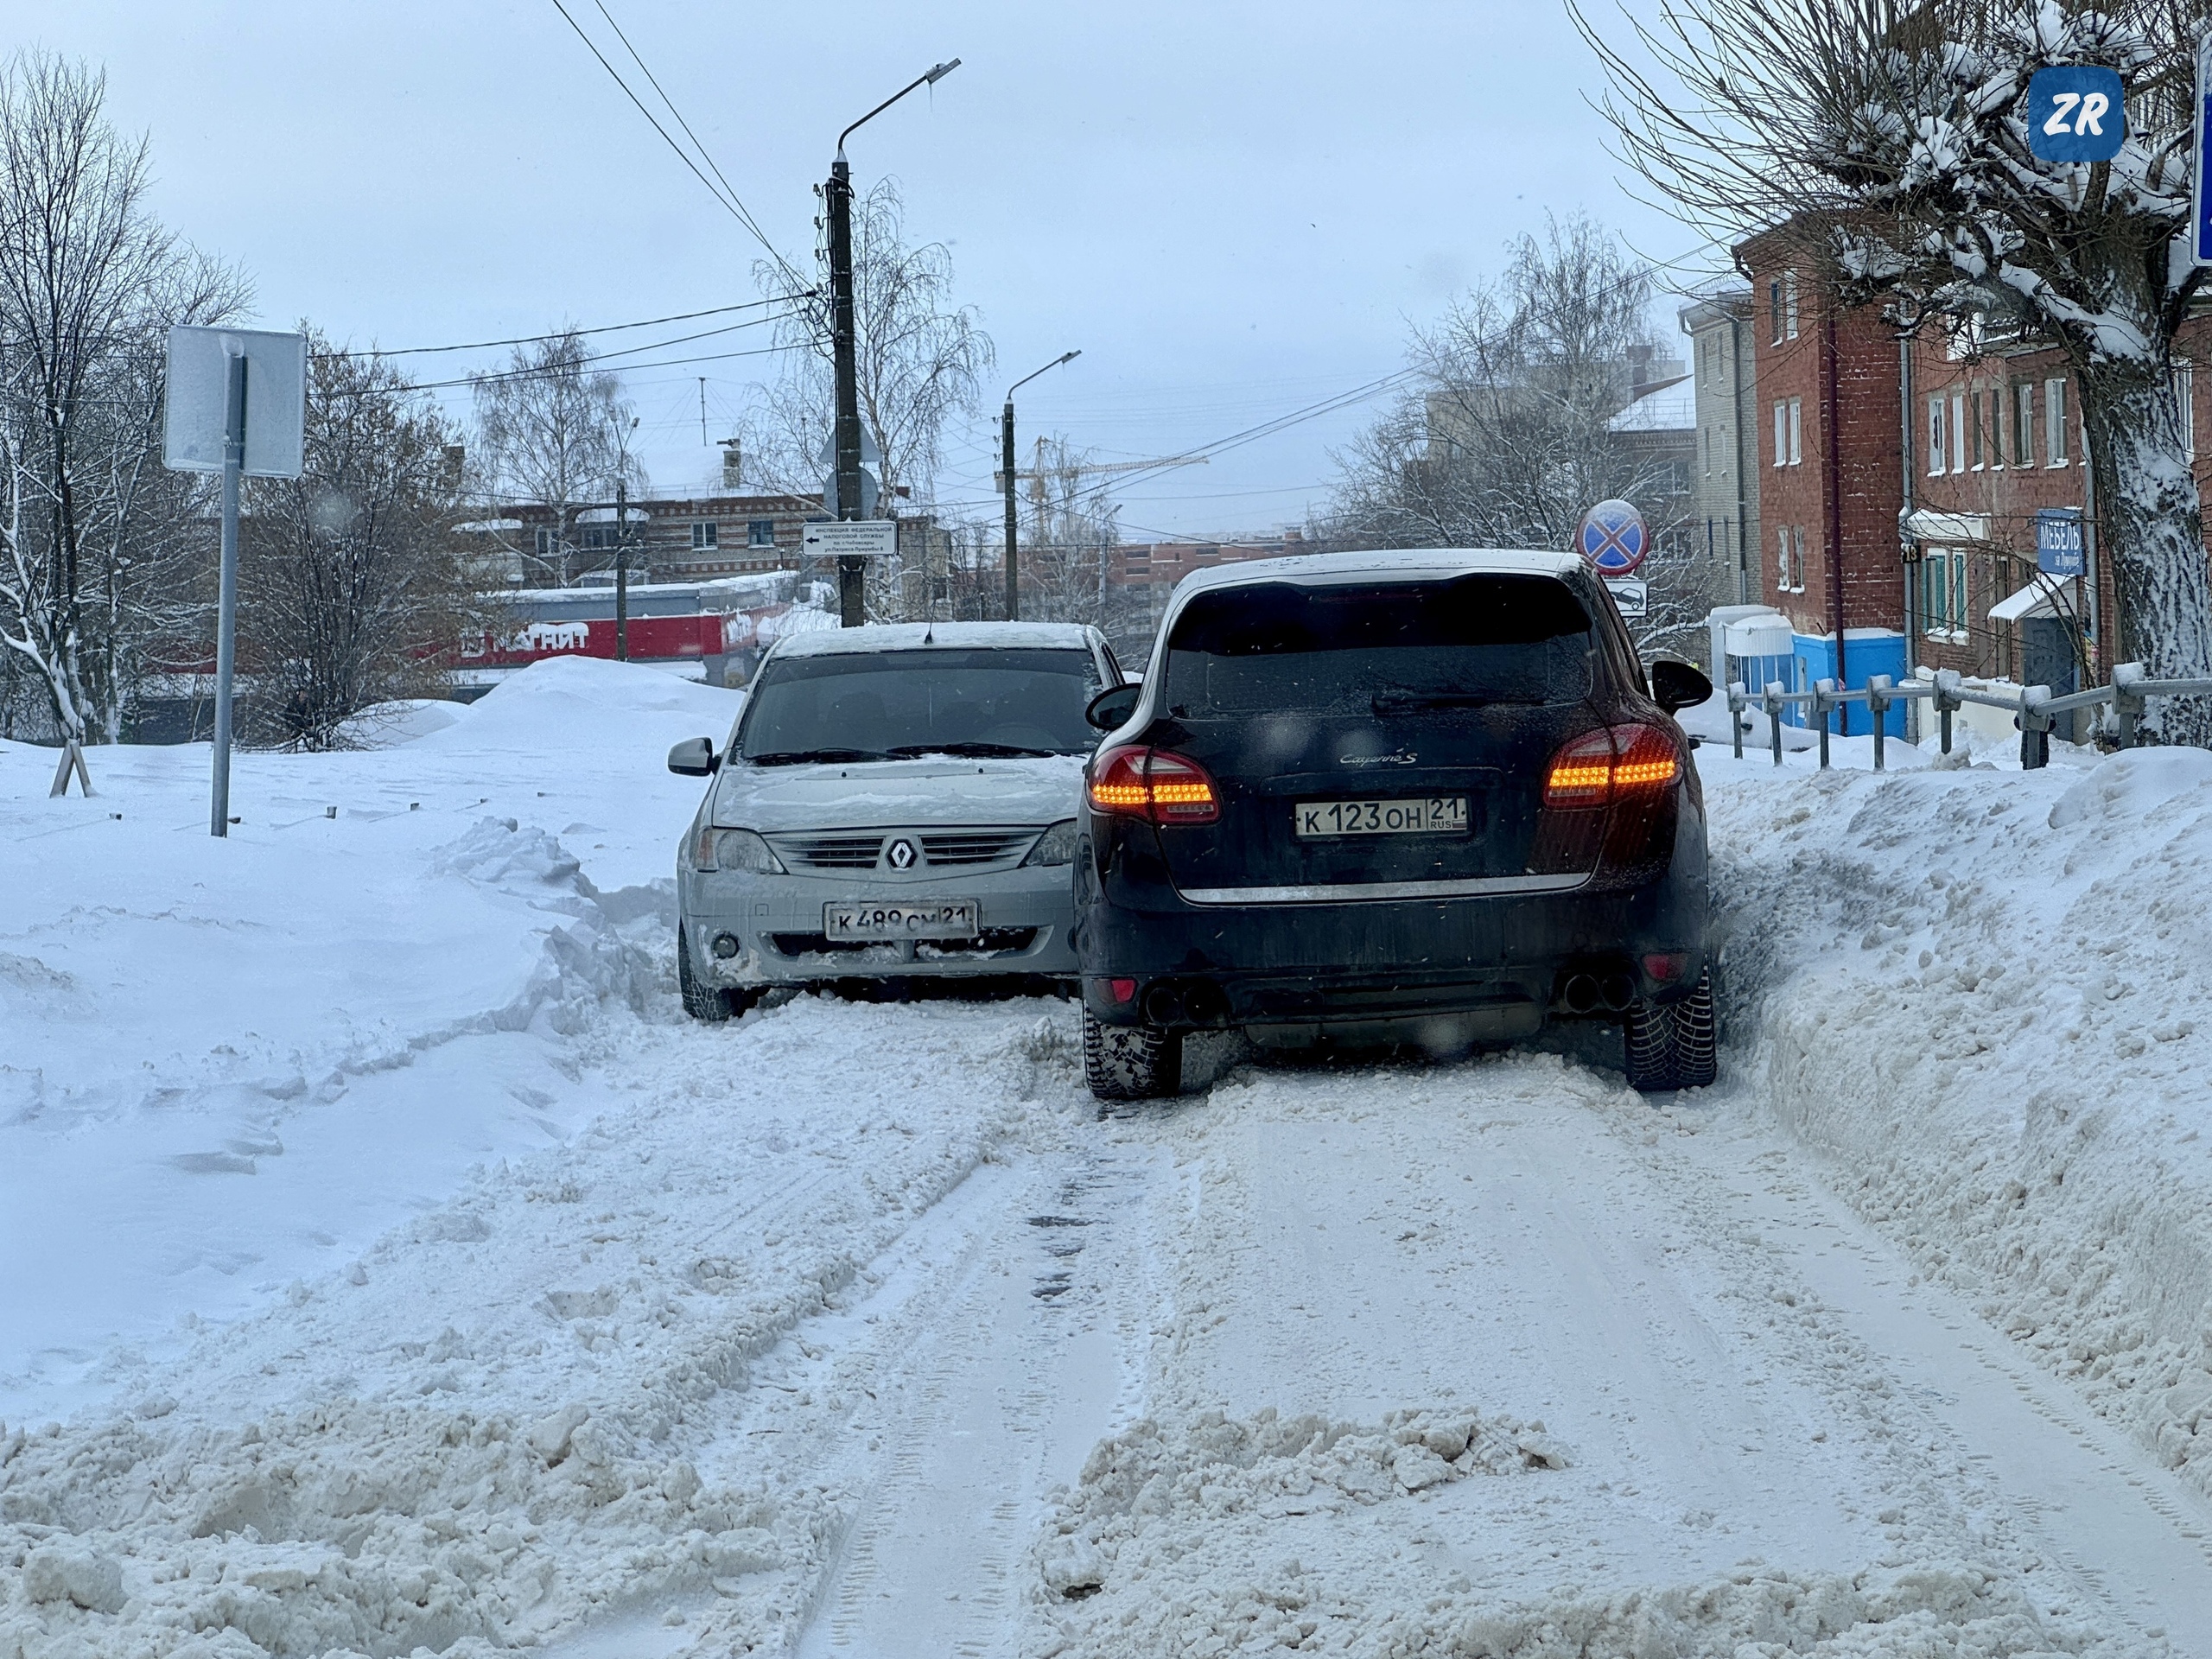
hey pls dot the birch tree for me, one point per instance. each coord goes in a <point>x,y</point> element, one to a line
<point>552,431</point>
<point>1893,136</point>
<point>90,283</point>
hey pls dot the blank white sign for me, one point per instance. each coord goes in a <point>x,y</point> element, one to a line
<point>276,400</point>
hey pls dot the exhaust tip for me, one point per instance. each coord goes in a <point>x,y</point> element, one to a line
<point>1581,994</point>
<point>1163,1005</point>
<point>1206,1003</point>
<point>1619,990</point>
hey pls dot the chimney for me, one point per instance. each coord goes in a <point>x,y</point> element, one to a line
<point>733,469</point>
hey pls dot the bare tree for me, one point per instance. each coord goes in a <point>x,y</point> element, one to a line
<point>1509,434</point>
<point>90,283</point>
<point>920,358</point>
<point>1891,135</point>
<point>552,431</point>
<point>352,583</point>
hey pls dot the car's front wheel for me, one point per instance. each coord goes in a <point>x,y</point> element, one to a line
<point>1673,1044</point>
<point>1130,1062</point>
<point>710,1003</point>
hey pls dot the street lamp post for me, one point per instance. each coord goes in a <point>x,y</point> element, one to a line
<point>851,571</point>
<point>1006,477</point>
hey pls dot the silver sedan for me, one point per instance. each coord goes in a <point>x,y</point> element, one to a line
<point>895,802</point>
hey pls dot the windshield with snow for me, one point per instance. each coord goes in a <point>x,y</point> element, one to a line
<point>894,705</point>
<point>1379,649</point>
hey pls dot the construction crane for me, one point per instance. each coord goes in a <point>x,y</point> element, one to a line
<point>1035,476</point>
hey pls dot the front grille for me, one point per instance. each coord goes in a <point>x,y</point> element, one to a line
<point>957,846</point>
<point>828,852</point>
<point>993,942</point>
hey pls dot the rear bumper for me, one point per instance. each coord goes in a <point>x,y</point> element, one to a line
<point>1500,963</point>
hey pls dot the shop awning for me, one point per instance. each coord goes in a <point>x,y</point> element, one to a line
<point>2044,596</point>
<point>1947,528</point>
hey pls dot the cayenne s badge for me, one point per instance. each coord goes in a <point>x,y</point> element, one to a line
<point>1397,758</point>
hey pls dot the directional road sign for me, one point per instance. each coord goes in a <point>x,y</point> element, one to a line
<point>858,538</point>
<point>275,403</point>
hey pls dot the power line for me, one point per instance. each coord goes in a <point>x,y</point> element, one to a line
<point>730,203</point>
<point>669,363</point>
<point>533,339</point>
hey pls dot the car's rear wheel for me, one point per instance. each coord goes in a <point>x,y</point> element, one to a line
<point>1673,1044</point>
<point>1130,1062</point>
<point>710,1003</point>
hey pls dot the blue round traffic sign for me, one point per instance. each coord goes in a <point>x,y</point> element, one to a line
<point>1613,537</point>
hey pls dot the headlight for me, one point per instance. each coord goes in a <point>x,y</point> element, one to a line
<point>1055,846</point>
<point>733,849</point>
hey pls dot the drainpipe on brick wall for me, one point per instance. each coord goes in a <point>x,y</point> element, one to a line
<point>1904,535</point>
<point>1738,386</point>
<point>1831,469</point>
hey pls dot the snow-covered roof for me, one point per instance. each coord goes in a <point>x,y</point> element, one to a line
<point>1387,562</point>
<point>490,526</point>
<point>1668,409</point>
<point>917,636</point>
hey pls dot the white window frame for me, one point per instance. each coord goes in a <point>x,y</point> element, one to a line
<point>2024,423</point>
<point>1790,304</point>
<point>704,536</point>
<point>1797,559</point>
<point>1781,558</point>
<point>1958,432</point>
<point>1774,307</point>
<point>1796,431</point>
<point>1781,432</point>
<point>1936,448</point>
<point>1950,623</point>
<point>2054,423</point>
<point>1994,416</point>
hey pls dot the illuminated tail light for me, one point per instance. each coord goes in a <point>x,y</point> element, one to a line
<point>1614,763</point>
<point>1154,785</point>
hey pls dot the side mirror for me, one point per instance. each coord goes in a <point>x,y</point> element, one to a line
<point>1113,707</point>
<point>694,757</point>
<point>1678,685</point>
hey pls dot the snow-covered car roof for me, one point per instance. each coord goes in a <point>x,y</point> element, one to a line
<point>924,636</point>
<point>1389,562</point>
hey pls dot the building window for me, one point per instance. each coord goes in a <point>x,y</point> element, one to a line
<point>1797,431</point>
<point>1997,427</point>
<point>1790,304</point>
<point>760,532</point>
<point>1798,560</point>
<point>1781,558</point>
<point>703,534</point>
<point>2186,405</point>
<point>2024,424</point>
<point>1973,430</point>
<point>1943,593</point>
<point>1958,432</point>
<point>2054,423</point>
<point>1774,307</point>
<point>1781,433</point>
<point>1935,462</point>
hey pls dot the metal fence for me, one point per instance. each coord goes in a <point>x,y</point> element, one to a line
<point>2033,707</point>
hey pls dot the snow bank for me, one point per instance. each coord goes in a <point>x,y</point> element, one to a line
<point>1982,992</point>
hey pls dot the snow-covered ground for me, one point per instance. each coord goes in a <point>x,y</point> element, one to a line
<point>386,1266</point>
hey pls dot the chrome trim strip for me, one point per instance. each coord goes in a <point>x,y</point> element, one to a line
<point>1353,893</point>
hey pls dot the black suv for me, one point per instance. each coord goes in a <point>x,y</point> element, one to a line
<point>1366,798</point>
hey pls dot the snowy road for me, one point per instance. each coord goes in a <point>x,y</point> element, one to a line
<point>558,1324</point>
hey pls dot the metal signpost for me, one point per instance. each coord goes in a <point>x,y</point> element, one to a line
<point>2076,112</point>
<point>210,426</point>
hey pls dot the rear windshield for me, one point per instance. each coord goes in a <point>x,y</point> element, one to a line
<point>1391,647</point>
<point>890,704</point>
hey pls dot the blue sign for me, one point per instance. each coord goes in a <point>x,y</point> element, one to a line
<point>1613,537</point>
<point>2202,197</point>
<point>2076,112</point>
<point>2058,540</point>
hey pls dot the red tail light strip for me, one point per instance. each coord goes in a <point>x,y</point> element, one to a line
<point>1153,785</point>
<point>1614,763</point>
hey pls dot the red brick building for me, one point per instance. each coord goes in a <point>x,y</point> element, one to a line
<point>1900,485</point>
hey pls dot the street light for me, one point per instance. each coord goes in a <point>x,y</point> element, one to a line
<point>851,571</point>
<point>1006,450</point>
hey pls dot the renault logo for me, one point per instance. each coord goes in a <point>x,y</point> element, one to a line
<point>901,854</point>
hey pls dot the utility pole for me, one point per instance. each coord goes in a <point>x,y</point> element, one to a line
<point>838,199</point>
<point>226,609</point>
<point>621,570</point>
<point>1007,476</point>
<point>851,572</point>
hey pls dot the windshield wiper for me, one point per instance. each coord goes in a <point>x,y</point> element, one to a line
<point>1398,703</point>
<point>972,751</point>
<point>803,756</point>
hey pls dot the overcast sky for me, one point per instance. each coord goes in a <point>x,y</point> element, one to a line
<point>1233,210</point>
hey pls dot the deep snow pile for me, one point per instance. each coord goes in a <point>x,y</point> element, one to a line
<point>1983,991</point>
